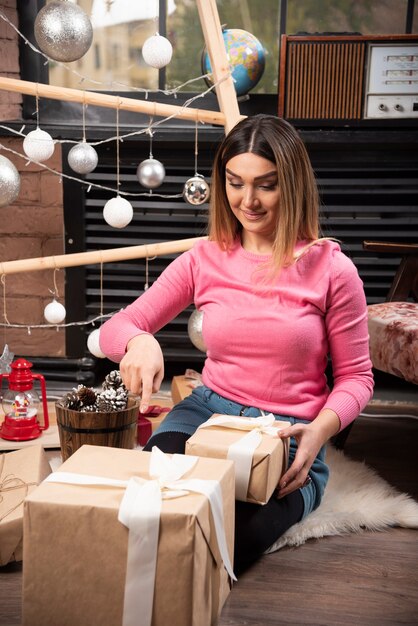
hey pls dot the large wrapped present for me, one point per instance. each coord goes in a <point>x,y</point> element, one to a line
<point>20,473</point>
<point>121,537</point>
<point>259,455</point>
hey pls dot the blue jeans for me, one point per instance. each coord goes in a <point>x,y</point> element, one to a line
<point>188,414</point>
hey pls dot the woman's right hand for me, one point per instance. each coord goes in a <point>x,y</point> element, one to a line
<point>142,367</point>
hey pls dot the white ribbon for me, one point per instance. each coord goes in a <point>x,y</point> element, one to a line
<point>242,451</point>
<point>140,511</point>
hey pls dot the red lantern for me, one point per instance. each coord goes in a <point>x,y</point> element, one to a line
<point>20,404</point>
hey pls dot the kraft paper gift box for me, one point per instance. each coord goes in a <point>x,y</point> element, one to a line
<point>182,386</point>
<point>149,422</point>
<point>82,566</point>
<point>260,456</point>
<point>20,473</point>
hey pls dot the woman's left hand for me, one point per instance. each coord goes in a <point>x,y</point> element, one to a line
<point>310,439</point>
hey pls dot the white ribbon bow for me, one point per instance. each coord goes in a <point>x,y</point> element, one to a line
<point>242,451</point>
<point>140,511</point>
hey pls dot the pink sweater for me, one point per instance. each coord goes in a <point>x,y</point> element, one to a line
<point>267,346</point>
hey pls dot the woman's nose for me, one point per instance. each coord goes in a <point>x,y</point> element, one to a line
<point>250,198</point>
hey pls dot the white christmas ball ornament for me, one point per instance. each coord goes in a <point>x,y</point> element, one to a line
<point>157,51</point>
<point>63,31</point>
<point>55,312</point>
<point>9,182</point>
<point>118,212</point>
<point>38,145</point>
<point>93,344</point>
<point>83,158</point>
<point>150,173</point>
<point>194,330</point>
<point>196,190</point>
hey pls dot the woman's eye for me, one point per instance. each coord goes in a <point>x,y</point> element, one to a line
<point>235,185</point>
<point>268,187</point>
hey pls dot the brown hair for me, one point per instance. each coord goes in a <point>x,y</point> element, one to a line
<point>298,215</point>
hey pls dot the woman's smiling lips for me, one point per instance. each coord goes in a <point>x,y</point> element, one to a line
<point>252,215</point>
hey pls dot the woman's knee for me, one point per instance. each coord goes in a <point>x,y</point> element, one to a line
<point>170,442</point>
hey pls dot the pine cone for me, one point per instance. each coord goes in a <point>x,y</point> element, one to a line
<point>71,401</point>
<point>112,399</point>
<point>113,380</point>
<point>87,395</point>
<point>104,406</point>
<point>89,408</point>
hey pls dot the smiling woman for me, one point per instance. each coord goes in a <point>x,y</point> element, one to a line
<point>254,197</point>
<point>276,300</point>
<point>263,174</point>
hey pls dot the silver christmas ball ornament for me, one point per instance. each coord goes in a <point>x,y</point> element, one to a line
<point>63,31</point>
<point>83,158</point>
<point>9,182</point>
<point>38,145</point>
<point>93,344</point>
<point>157,51</point>
<point>194,330</point>
<point>118,212</point>
<point>196,190</point>
<point>150,173</point>
<point>55,312</point>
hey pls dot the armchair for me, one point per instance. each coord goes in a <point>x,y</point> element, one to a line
<point>393,324</point>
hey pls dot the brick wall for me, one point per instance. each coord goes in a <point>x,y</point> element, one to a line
<point>32,226</point>
<point>10,103</point>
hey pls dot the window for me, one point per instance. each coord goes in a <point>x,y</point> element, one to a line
<point>126,25</point>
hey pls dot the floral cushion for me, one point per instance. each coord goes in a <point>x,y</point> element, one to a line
<point>393,329</point>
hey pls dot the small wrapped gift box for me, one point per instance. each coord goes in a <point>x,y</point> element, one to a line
<point>182,386</point>
<point>20,473</point>
<point>259,455</point>
<point>121,537</point>
<point>148,422</point>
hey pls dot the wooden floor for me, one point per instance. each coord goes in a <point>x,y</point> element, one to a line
<point>370,579</point>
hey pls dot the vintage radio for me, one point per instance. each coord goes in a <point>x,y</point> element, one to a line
<point>348,77</point>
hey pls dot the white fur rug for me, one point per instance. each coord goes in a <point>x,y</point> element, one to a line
<point>356,499</point>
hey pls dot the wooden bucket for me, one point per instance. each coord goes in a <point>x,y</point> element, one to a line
<point>117,429</point>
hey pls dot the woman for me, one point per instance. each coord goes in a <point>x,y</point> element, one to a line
<point>276,301</point>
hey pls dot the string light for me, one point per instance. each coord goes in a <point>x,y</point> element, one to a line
<point>185,105</point>
<point>166,92</point>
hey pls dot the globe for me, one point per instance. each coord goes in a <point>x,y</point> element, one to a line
<point>246,57</point>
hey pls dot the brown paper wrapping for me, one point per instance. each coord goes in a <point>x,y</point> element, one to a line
<point>20,473</point>
<point>181,387</point>
<point>75,549</point>
<point>269,462</point>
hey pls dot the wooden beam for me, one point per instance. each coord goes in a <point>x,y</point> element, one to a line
<point>104,100</point>
<point>98,256</point>
<point>225,91</point>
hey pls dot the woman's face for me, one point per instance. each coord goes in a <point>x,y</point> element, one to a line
<point>253,195</point>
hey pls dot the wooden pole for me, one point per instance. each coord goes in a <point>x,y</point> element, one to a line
<point>225,91</point>
<point>104,100</point>
<point>98,256</point>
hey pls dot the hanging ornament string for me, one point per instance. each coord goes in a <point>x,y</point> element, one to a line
<point>3,282</point>
<point>196,189</point>
<point>56,294</point>
<point>117,147</point>
<point>37,106</point>
<point>196,150</point>
<point>55,312</point>
<point>101,287</point>
<point>84,116</point>
<point>151,135</point>
<point>118,212</point>
<point>146,285</point>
